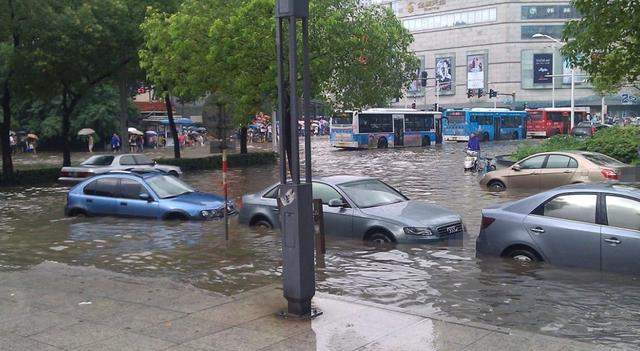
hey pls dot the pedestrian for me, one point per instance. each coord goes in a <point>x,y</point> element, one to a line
<point>13,144</point>
<point>115,143</point>
<point>474,143</point>
<point>141,143</point>
<point>200,140</point>
<point>90,142</point>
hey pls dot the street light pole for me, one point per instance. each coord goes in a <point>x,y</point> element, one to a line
<point>553,79</point>
<point>573,87</point>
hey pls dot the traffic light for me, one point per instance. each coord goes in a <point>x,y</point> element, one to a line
<point>480,93</point>
<point>435,107</point>
<point>493,94</point>
<point>413,105</point>
<point>423,78</point>
<point>469,93</point>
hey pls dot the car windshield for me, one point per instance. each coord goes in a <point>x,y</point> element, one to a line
<point>371,193</point>
<point>167,186</point>
<point>602,160</point>
<point>143,160</point>
<point>104,160</point>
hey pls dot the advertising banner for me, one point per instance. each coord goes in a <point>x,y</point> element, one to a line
<point>542,68</point>
<point>415,88</point>
<point>444,73</point>
<point>475,71</point>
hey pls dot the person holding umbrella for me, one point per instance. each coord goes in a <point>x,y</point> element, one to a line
<point>89,133</point>
<point>32,140</point>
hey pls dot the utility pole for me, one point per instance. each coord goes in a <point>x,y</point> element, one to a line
<point>295,198</point>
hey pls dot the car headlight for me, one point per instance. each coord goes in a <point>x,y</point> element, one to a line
<point>421,231</point>
<point>205,213</point>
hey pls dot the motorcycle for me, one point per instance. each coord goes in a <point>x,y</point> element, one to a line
<point>474,163</point>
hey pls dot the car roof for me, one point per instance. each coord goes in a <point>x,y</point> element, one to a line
<point>341,179</point>
<point>144,174</point>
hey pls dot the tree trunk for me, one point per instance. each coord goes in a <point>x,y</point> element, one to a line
<point>172,126</point>
<point>243,139</point>
<point>124,130</point>
<point>7,161</point>
<point>66,144</point>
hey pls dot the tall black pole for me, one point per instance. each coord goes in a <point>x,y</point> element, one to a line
<point>293,101</point>
<point>281,109</point>
<point>306,91</point>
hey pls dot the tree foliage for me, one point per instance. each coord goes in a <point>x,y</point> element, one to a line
<point>605,42</point>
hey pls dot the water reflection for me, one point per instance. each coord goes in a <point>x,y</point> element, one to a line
<point>433,279</point>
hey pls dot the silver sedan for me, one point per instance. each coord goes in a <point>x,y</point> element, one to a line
<point>594,226</point>
<point>363,208</point>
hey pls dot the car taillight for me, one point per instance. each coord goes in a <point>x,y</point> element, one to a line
<point>609,174</point>
<point>84,174</point>
<point>64,174</point>
<point>486,222</point>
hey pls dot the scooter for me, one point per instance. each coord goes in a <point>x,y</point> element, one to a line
<point>474,163</point>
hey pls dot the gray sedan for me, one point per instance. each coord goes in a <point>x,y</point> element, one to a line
<point>595,226</point>
<point>363,208</point>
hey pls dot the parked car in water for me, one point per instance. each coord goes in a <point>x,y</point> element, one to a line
<point>587,129</point>
<point>363,208</point>
<point>552,169</point>
<point>150,194</point>
<point>595,226</point>
<point>100,164</point>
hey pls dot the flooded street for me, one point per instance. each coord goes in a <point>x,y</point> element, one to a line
<point>587,306</point>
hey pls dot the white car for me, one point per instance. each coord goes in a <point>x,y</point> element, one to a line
<point>99,164</point>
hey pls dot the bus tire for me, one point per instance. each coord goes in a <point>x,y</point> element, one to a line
<point>514,136</point>
<point>383,143</point>
<point>426,140</point>
<point>485,136</point>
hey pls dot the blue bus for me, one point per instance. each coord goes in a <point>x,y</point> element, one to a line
<point>383,128</point>
<point>488,123</point>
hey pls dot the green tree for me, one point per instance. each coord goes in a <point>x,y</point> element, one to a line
<point>359,54</point>
<point>605,42</point>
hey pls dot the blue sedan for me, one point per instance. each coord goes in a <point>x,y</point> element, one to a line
<point>148,195</point>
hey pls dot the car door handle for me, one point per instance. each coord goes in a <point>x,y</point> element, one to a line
<point>614,241</point>
<point>537,230</point>
<point>123,204</point>
<point>568,172</point>
<point>275,209</point>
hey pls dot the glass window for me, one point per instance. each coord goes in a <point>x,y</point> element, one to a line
<point>527,31</point>
<point>549,12</point>
<point>558,161</point>
<point>623,212</point>
<point>143,160</point>
<point>418,123</point>
<point>273,193</point>
<point>107,187</point>
<point>456,117</point>
<point>90,189</point>
<point>485,120</point>
<point>579,207</point>
<point>127,161</point>
<point>342,118</point>
<point>372,193</point>
<point>325,193</point>
<point>131,189</point>
<point>603,160</point>
<point>533,162</point>
<point>375,123</point>
<point>451,19</point>
<point>103,160</point>
<point>573,163</point>
<point>166,186</point>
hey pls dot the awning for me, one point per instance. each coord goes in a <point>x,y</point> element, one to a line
<point>180,121</point>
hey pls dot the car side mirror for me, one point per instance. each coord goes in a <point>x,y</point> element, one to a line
<point>336,203</point>
<point>146,197</point>
<point>516,168</point>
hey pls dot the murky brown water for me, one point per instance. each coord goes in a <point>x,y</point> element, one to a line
<point>583,305</point>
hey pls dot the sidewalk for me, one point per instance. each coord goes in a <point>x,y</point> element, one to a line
<point>58,307</point>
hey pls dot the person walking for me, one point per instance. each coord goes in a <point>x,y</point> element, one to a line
<point>13,144</point>
<point>115,143</point>
<point>90,143</point>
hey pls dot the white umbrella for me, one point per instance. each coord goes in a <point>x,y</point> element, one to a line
<point>151,132</point>
<point>86,131</point>
<point>134,131</point>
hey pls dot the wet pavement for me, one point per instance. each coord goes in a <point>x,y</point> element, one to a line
<point>585,306</point>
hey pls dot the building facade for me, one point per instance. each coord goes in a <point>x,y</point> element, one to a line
<point>488,45</point>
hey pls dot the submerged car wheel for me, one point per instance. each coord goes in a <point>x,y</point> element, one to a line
<point>382,143</point>
<point>379,238</point>
<point>261,224</point>
<point>496,185</point>
<point>174,173</point>
<point>523,256</point>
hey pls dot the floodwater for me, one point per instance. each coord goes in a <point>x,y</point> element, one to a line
<point>583,305</point>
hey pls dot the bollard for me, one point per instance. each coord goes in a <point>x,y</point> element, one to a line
<point>318,217</point>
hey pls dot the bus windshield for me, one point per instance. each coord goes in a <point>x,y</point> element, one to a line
<point>535,115</point>
<point>456,117</point>
<point>342,118</point>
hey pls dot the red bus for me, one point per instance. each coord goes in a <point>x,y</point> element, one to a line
<point>547,122</point>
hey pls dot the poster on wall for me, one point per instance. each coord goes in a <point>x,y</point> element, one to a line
<point>475,71</point>
<point>542,68</point>
<point>444,73</point>
<point>566,74</point>
<point>415,88</point>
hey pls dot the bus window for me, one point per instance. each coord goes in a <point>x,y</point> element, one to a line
<point>473,118</point>
<point>372,123</point>
<point>341,118</point>
<point>418,123</point>
<point>535,115</point>
<point>485,120</point>
<point>558,116</point>
<point>510,122</point>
